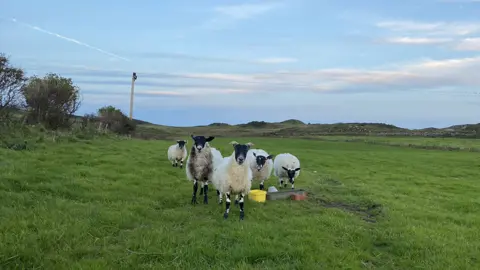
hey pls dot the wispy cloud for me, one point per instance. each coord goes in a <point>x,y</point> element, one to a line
<point>432,28</point>
<point>225,16</point>
<point>36,28</point>
<point>245,11</point>
<point>469,44</point>
<point>416,41</point>
<point>277,60</point>
<point>426,75</point>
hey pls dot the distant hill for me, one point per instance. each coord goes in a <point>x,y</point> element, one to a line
<point>297,128</point>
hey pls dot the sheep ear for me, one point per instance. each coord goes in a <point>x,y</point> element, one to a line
<point>178,141</point>
<point>209,139</point>
<point>193,137</point>
<point>255,155</point>
<point>233,143</point>
<point>270,157</point>
<point>285,168</point>
<point>185,141</point>
<point>297,169</point>
<point>250,144</point>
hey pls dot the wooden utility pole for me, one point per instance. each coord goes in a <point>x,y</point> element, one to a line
<point>134,78</point>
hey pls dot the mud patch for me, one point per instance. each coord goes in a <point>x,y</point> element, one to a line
<point>369,212</point>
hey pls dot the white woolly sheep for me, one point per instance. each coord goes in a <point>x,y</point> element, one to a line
<point>234,176</point>
<point>286,166</point>
<point>261,164</point>
<point>200,165</point>
<point>177,152</point>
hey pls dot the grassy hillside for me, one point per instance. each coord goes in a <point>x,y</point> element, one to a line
<point>118,204</point>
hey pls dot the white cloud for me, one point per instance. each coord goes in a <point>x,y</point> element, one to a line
<point>416,41</point>
<point>226,15</point>
<point>469,44</point>
<point>432,28</point>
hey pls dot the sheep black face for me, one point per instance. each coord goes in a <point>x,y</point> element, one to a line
<point>261,160</point>
<point>291,175</point>
<point>200,141</point>
<point>241,152</point>
<point>181,143</point>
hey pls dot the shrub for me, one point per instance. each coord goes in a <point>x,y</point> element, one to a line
<point>12,79</point>
<point>51,100</point>
<point>115,120</point>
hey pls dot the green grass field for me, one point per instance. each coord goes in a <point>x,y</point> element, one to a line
<point>118,204</point>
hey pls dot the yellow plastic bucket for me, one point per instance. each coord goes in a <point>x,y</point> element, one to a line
<point>258,195</point>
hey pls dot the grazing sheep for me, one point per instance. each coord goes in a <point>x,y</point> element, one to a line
<point>234,176</point>
<point>200,165</point>
<point>286,166</point>
<point>177,152</point>
<point>261,164</point>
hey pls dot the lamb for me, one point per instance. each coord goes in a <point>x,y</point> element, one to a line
<point>261,165</point>
<point>177,152</point>
<point>200,165</point>
<point>286,166</point>
<point>234,176</point>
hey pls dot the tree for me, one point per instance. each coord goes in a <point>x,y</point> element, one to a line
<point>12,79</point>
<point>51,100</point>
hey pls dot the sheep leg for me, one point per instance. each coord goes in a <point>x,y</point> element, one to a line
<point>241,202</point>
<point>236,200</point>
<point>261,185</point>
<point>181,164</point>
<point>219,197</point>
<point>280,180</point>
<point>205,193</point>
<point>173,163</point>
<point>195,188</point>
<point>293,183</point>
<point>227,205</point>
<point>201,188</point>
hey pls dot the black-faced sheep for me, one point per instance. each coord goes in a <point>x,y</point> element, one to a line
<point>234,176</point>
<point>177,152</point>
<point>286,166</point>
<point>200,165</point>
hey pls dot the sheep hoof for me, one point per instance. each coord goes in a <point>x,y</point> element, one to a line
<point>205,200</point>
<point>242,215</point>
<point>194,200</point>
<point>225,215</point>
<point>181,166</point>
<point>261,187</point>
<point>201,191</point>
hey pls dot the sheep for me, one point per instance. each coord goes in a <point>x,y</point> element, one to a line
<point>216,159</point>
<point>261,164</point>
<point>177,152</point>
<point>234,176</point>
<point>285,166</point>
<point>200,165</point>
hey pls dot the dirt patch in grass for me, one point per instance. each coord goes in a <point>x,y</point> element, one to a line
<point>368,211</point>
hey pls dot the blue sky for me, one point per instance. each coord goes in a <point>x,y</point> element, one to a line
<point>409,63</point>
